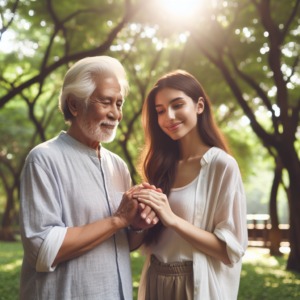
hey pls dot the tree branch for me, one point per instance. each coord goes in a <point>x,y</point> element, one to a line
<point>60,25</point>
<point>90,10</point>
<point>295,116</point>
<point>154,63</point>
<point>260,92</point>
<point>56,21</point>
<point>238,95</point>
<point>274,58</point>
<point>4,28</point>
<point>288,22</point>
<point>236,91</point>
<point>5,183</point>
<point>293,68</point>
<point>72,57</point>
<point>8,165</point>
<point>37,124</point>
<point>232,24</point>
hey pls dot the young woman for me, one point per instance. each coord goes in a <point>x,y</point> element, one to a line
<point>195,251</point>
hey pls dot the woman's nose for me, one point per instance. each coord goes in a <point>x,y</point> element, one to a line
<point>171,113</point>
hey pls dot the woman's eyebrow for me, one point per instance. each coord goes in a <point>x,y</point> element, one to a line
<point>173,100</point>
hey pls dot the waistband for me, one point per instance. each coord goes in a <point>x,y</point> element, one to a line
<point>176,268</point>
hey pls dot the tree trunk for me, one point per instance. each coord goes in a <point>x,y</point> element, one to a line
<point>290,160</point>
<point>275,233</point>
<point>294,232</point>
<point>6,233</point>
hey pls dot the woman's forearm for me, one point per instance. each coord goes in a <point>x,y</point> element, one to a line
<point>202,240</point>
<point>135,240</point>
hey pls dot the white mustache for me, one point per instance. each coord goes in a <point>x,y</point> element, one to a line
<point>110,123</point>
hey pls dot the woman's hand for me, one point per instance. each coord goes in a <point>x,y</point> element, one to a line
<point>159,203</point>
<point>146,216</point>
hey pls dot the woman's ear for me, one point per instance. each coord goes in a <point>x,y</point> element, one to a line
<point>200,105</point>
<point>73,105</point>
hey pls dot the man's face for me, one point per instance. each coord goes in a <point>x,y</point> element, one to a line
<point>99,120</point>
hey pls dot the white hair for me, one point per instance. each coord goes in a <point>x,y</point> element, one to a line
<point>81,80</point>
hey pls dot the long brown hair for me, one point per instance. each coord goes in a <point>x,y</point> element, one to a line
<point>159,158</point>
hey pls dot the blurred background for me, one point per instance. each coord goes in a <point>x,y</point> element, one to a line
<point>244,53</point>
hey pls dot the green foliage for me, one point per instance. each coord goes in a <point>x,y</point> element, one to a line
<point>137,263</point>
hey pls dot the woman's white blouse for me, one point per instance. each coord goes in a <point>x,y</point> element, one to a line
<point>171,247</point>
<point>220,208</point>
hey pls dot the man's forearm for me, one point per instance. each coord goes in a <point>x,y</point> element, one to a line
<point>79,240</point>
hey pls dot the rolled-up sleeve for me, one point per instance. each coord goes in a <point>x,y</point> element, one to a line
<point>231,226</point>
<point>41,225</point>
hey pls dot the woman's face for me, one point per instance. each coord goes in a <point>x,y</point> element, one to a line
<point>177,113</point>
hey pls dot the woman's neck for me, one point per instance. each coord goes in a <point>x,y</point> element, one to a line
<point>192,146</point>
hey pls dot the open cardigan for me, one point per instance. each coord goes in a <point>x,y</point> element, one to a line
<point>220,208</point>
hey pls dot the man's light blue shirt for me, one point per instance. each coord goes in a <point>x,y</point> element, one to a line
<point>65,185</point>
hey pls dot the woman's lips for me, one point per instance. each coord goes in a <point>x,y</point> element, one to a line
<point>174,126</point>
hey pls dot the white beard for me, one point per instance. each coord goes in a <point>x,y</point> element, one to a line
<point>96,133</point>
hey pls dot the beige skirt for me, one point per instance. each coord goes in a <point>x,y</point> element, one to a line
<point>169,281</point>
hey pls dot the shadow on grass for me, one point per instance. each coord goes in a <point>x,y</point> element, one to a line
<point>264,277</point>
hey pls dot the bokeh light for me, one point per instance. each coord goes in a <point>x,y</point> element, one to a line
<point>181,7</point>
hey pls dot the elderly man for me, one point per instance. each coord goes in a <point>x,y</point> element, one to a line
<point>76,198</point>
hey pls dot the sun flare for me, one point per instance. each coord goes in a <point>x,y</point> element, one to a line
<point>181,7</point>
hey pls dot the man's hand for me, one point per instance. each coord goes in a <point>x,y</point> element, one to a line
<point>128,209</point>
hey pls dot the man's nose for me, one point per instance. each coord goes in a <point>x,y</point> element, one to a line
<point>115,113</point>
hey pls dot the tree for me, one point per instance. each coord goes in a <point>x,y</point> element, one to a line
<point>32,75</point>
<point>232,63</point>
<point>35,81</point>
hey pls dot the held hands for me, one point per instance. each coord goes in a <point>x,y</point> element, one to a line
<point>159,203</point>
<point>128,208</point>
<point>139,215</point>
<point>146,217</point>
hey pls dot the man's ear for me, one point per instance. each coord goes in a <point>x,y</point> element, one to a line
<point>200,105</point>
<point>73,105</point>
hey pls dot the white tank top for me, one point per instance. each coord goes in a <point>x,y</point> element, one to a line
<point>171,247</point>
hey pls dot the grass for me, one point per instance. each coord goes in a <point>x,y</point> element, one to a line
<point>11,256</point>
<point>263,276</point>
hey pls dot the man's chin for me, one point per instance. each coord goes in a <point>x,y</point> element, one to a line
<point>108,139</point>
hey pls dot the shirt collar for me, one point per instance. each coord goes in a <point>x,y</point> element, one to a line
<point>79,146</point>
<point>207,157</point>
